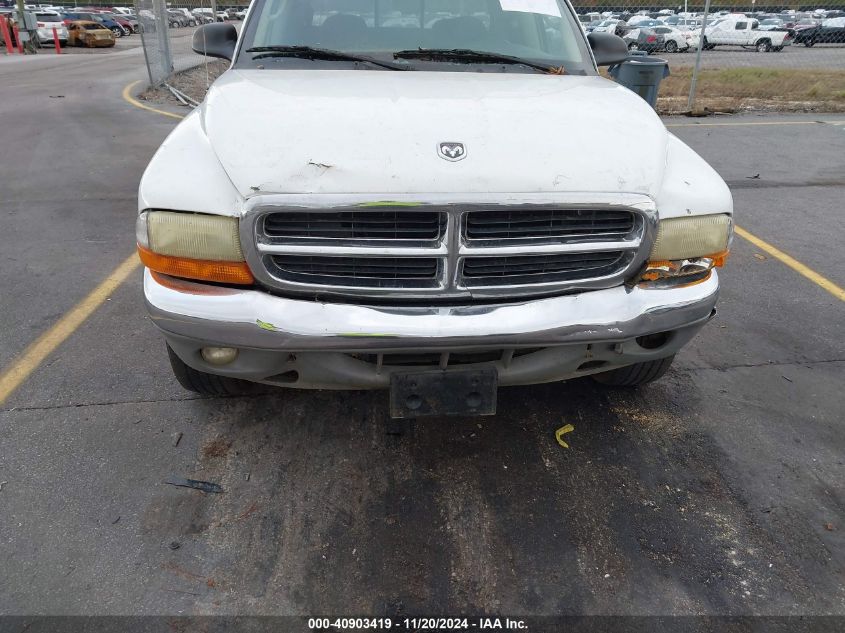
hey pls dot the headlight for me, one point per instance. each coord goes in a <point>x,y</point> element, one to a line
<point>687,238</point>
<point>192,246</point>
<point>687,249</point>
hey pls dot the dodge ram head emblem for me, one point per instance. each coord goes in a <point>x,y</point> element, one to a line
<point>452,151</point>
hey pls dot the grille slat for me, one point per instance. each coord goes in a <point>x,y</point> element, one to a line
<point>488,232</point>
<point>548,223</point>
<point>379,272</point>
<point>356,225</point>
<point>538,269</point>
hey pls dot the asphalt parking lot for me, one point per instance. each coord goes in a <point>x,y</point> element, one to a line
<point>718,490</point>
<point>820,57</point>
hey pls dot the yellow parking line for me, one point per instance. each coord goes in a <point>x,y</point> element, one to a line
<point>29,360</point>
<point>127,96</point>
<point>794,264</point>
<point>41,348</point>
<point>752,123</point>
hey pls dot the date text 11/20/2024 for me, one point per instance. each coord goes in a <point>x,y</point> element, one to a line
<point>416,624</point>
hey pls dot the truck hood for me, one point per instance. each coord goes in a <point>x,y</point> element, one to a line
<point>358,131</point>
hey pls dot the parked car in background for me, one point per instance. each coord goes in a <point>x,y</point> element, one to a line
<point>89,33</point>
<point>692,36</point>
<point>133,22</point>
<point>681,23</point>
<point>830,31</point>
<point>114,27</point>
<point>203,16</point>
<point>640,21</point>
<point>673,39</point>
<point>204,11</point>
<point>776,24</point>
<point>190,18</point>
<point>643,39</point>
<point>744,32</point>
<point>591,26</point>
<point>176,18</point>
<point>46,22</point>
<point>240,14</point>
<point>614,26</point>
<point>122,20</point>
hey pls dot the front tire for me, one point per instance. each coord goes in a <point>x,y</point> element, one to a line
<point>764,46</point>
<point>671,46</point>
<point>117,31</point>
<point>207,384</point>
<point>635,375</point>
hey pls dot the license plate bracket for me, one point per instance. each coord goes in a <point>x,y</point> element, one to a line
<point>433,393</point>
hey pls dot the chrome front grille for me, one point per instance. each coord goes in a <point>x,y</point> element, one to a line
<point>322,246</point>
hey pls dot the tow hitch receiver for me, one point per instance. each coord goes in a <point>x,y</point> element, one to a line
<point>434,393</point>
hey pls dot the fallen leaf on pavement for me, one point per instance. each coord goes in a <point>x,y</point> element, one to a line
<point>566,428</point>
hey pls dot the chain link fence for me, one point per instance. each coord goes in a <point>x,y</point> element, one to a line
<point>152,18</point>
<point>167,30</point>
<point>729,57</point>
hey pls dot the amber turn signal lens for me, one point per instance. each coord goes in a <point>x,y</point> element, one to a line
<point>683,272</point>
<point>203,270</point>
<point>719,259</point>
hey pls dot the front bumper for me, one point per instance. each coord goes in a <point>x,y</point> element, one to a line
<point>308,344</point>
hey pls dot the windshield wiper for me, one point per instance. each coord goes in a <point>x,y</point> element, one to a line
<point>309,52</point>
<point>469,56</point>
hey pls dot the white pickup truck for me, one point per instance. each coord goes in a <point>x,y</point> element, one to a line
<point>413,200</point>
<point>745,32</point>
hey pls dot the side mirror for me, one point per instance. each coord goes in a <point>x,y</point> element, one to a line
<point>608,49</point>
<point>215,40</point>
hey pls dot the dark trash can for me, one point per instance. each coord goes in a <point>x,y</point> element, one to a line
<point>642,74</point>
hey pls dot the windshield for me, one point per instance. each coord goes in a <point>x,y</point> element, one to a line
<point>540,31</point>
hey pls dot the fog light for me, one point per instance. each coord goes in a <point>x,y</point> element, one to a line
<point>219,355</point>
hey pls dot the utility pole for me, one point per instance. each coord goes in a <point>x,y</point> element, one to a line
<point>691,101</point>
<point>30,36</point>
